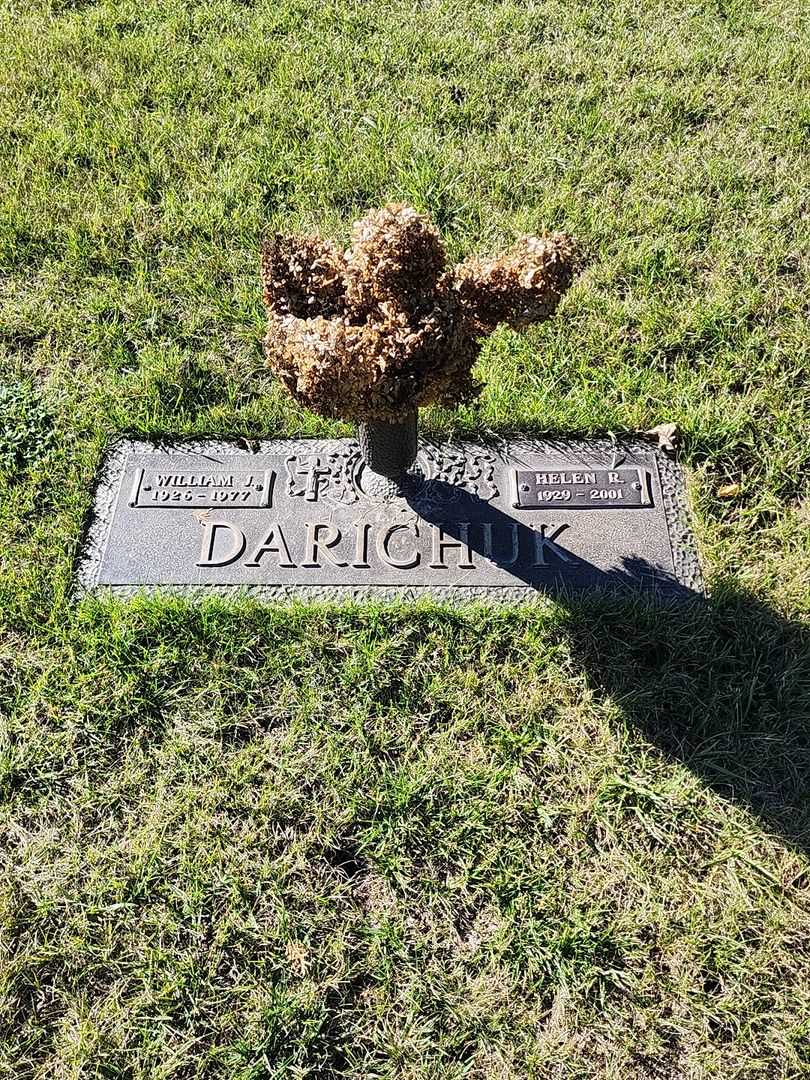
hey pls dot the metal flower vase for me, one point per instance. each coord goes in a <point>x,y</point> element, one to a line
<point>389,450</point>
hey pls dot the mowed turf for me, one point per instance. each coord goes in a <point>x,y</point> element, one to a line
<point>406,842</point>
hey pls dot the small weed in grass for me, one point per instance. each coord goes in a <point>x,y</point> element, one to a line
<point>26,427</point>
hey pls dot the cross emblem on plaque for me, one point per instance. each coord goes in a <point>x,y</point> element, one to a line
<point>309,476</point>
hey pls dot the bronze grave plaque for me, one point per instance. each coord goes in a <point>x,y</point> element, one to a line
<point>302,518</point>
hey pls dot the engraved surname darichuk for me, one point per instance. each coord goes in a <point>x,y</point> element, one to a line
<point>397,545</point>
<point>211,530</point>
<point>544,543</point>
<point>276,543</point>
<point>490,546</point>
<point>409,561</point>
<point>442,543</point>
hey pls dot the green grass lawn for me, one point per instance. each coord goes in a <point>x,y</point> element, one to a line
<point>568,841</point>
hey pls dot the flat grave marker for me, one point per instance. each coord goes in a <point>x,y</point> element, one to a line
<point>303,518</point>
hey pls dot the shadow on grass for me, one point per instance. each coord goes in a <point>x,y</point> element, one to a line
<point>722,686</point>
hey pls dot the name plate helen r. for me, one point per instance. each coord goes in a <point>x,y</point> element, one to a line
<point>581,487</point>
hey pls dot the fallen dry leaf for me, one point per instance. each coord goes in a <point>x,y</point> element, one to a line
<point>668,436</point>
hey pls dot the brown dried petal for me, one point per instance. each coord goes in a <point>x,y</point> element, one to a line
<point>379,329</point>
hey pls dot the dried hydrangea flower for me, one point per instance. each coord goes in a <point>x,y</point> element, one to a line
<point>383,328</point>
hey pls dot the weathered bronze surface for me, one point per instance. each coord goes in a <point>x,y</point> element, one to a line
<point>305,519</point>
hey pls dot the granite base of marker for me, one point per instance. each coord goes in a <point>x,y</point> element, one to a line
<point>306,519</point>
